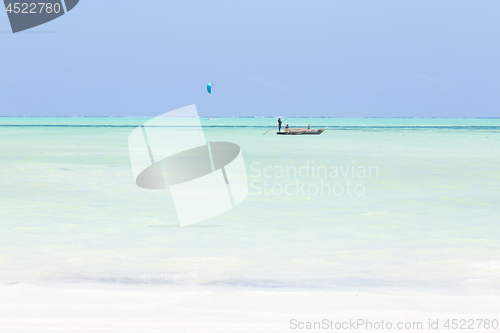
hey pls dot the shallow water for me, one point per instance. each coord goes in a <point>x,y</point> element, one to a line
<point>371,204</point>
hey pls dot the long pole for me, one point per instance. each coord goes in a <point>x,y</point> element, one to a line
<point>275,126</point>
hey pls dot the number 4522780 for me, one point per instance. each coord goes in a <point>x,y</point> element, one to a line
<point>33,8</point>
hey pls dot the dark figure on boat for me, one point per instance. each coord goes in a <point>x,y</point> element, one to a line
<point>279,124</point>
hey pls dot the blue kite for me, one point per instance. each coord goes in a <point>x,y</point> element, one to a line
<point>209,87</point>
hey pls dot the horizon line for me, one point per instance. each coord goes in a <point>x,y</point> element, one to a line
<point>254,117</point>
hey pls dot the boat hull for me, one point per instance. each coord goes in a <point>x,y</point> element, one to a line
<point>302,132</point>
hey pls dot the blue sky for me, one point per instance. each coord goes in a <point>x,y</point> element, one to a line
<point>308,58</point>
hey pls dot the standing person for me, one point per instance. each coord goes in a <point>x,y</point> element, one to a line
<point>279,124</point>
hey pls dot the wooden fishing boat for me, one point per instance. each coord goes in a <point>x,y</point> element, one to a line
<point>301,131</point>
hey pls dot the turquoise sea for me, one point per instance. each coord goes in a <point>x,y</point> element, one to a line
<point>372,204</point>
